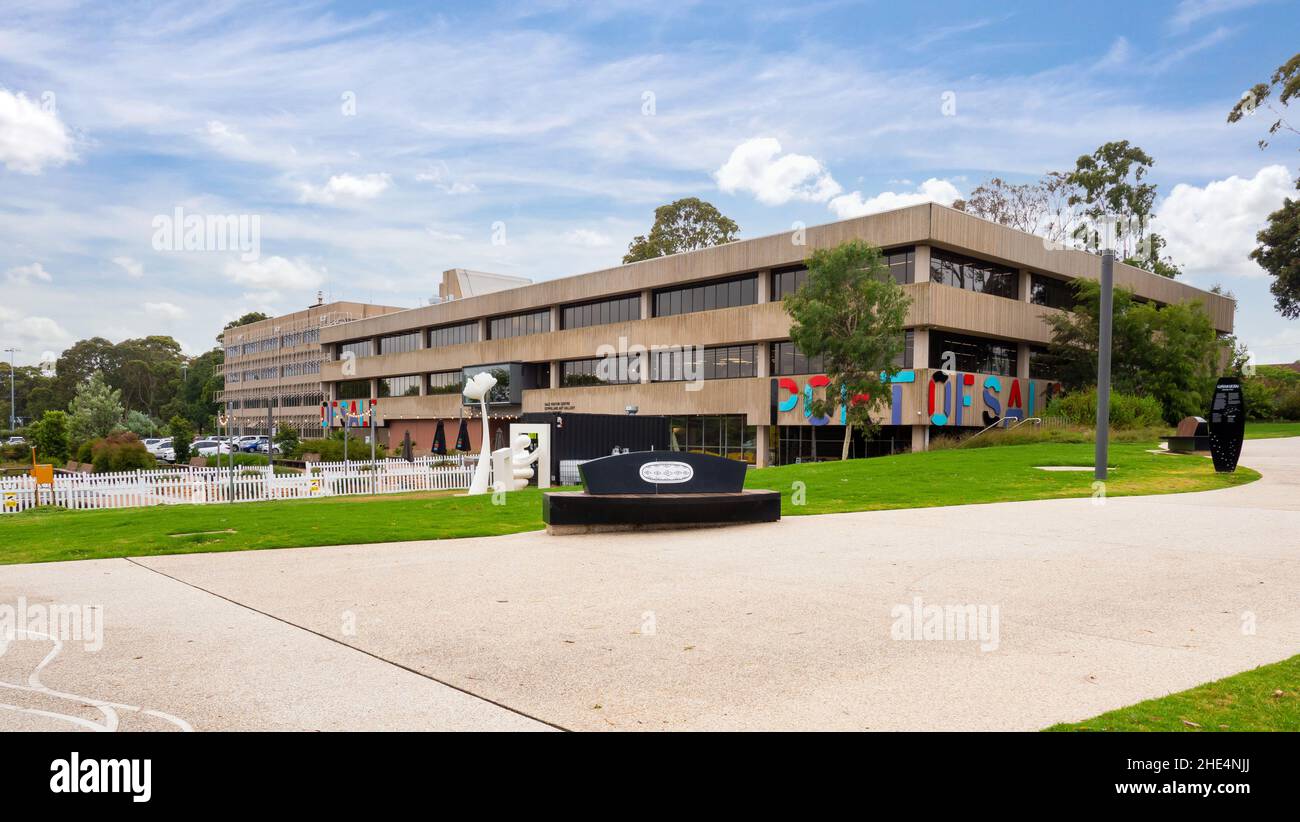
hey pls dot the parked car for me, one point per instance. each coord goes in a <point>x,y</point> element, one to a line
<point>265,446</point>
<point>15,441</point>
<point>165,453</point>
<point>151,443</point>
<point>250,443</point>
<point>209,448</point>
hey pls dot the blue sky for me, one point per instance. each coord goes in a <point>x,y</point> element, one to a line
<point>535,118</point>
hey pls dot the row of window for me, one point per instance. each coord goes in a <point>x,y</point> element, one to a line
<point>601,312</point>
<point>400,343</point>
<point>520,325</point>
<point>901,263</point>
<point>725,435</point>
<point>736,291</point>
<point>301,369</point>
<point>454,334</point>
<point>286,401</point>
<point>971,274</point>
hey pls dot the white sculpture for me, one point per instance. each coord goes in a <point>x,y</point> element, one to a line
<point>478,387</point>
<point>512,467</point>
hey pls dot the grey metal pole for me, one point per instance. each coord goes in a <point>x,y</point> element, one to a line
<point>1103,362</point>
<point>12,407</point>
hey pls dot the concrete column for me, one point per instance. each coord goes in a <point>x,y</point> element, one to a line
<point>555,318</point>
<point>762,444</point>
<point>762,352</point>
<point>765,286</point>
<point>1022,360</point>
<point>921,264</point>
<point>921,347</point>
<point>555,373</point>
<point>1025,282</point>
<point>920,438</point>
<point>374,387</point>
<point>482,328</point>
<point>424,385</point>
<point>647,304</point>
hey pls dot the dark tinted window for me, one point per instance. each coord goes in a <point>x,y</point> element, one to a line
<point>706,296</point>
<point>453,334</point>
<point>520,325</point>
<point>617,310</point>
<point>974,275</point>
<point>399,343</point>
<point>399,386</point>
<point>1051,292</point>
<point>973,354</point>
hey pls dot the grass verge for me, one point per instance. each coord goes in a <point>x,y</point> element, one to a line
<point>1264,699</point>
<point>952,477</point>
<point>1271,430</point>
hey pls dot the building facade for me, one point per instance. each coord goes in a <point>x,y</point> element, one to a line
<point>976,336</point>
<point>273,367</point>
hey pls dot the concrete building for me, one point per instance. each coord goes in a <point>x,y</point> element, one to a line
<point>980,292</point>
<point>275,364</point>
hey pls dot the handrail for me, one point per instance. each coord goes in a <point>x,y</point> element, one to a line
<point>999,421</point>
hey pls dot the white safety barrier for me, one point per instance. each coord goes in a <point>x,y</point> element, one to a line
<point>174,486</point>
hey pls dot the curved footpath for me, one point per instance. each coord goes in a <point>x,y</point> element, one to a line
<point>793,625</point>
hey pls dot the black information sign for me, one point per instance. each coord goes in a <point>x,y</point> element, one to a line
<point>1227,424</point>
<point>663,472</point>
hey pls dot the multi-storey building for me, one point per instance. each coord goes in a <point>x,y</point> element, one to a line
<point>981,294</point>
<point>274,366</point>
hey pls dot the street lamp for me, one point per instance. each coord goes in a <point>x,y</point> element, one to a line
<point>12,407</point>
<point>1107,308</point>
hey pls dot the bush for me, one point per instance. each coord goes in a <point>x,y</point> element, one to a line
<point>331,448</point>
<point>1288,404</point>
<point>86,451</point>
<point>181,431</point>
<point>50,436</point>
<point>140,424</point>
<point>121,452</point>
<point>1126,410</point>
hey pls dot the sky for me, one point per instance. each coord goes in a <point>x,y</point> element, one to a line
<point>362,149</point>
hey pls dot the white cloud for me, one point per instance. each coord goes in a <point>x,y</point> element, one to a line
<point>33,332</point>
<point>346,187</point>
<point>31,135</point>
<point>165,310</point>
<point>1211,229</point>
<point>221,133</point>
<point>932,190</point>
<point>274,273</point>
<point>758,166</point>
<point>1190,11</point>
<point>27,275</point>
<point>132,267</point>
<point>587,238</point>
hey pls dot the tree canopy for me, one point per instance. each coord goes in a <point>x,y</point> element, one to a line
<point>682,225</point>
<point>1170,353</point>
<point>850,312</point>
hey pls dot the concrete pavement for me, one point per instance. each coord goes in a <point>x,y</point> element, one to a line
<point>787,626</point>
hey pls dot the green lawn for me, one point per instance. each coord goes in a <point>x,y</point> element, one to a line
<point>1269,430</point>
<point>963,476</point>
<point>1265,699</point>
<point>951,477</point>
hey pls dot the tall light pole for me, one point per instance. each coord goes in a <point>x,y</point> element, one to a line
<point>12,408</point>
<point>1107,307</point>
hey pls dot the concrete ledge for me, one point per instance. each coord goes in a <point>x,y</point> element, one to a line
<point>569,509</point>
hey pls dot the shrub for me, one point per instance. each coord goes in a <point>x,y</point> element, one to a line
<point>181,431</point>
<point>86,451</point>
<point>1288,404</point>
<point>50,436</point>
<point>1126,410</point>
<point>331,448</point>
<point>121,452</point>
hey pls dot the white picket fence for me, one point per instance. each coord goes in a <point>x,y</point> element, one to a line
<point>136,489</point>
